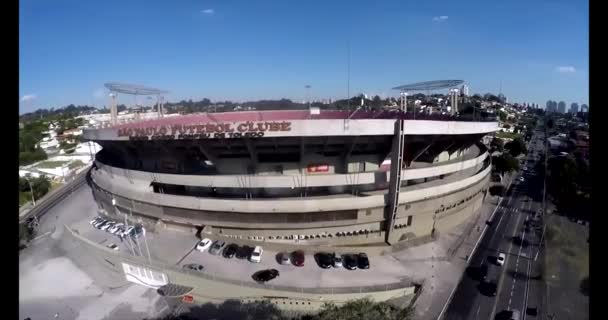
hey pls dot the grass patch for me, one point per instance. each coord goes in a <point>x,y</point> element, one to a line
<point>567,250</point>
<point>75,164</point>
<point>508,135</point>
<point>51,164</point>
<point>24,197</point>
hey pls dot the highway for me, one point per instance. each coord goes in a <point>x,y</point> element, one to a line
<point>512,232</point>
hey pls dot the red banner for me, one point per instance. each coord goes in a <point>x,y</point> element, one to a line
<point>318,168</point>
<point>188,299</point>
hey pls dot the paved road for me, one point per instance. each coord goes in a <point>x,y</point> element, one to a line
<point>516,286</point>
<point>58,276</point>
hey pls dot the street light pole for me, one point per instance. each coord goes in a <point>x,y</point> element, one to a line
<point>31,190</point>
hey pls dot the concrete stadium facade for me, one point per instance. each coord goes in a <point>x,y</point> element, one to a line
<point>294,178</point>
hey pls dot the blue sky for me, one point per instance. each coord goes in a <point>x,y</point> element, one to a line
<point>241,50</point>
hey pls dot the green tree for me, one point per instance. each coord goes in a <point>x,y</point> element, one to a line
<point>497,145</point>
<point>362,309</point>
<point>505,163</point>
<point>502,116</point>
<point>516,147</point>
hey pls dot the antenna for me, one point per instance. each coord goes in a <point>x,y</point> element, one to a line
<point>348,81</point>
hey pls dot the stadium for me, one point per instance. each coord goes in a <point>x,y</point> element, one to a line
<point>316,178</point>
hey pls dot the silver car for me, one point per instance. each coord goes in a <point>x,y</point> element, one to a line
<point>217,247</point>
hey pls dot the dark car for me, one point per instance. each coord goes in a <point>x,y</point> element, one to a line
<point>350,261</point>
<point>362,261</point>
<point>243,252</point>
<point>487,288</point>
<point>265,275</point>
<point>297,258</point>
<point>324,260</point>
<point>230,251</point>
<point>483,271</point>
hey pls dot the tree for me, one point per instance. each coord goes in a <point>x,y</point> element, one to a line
<point>502,116</point>
<point>505,163</point>
<point>377,102</point>
<point>362,309</point>
<point>516,147</point>
<point>497,145</point>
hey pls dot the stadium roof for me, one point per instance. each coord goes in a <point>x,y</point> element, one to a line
<point>430,85</point>
<point>133,89</point>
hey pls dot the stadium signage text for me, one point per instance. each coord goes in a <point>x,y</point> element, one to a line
<point>205,131</point>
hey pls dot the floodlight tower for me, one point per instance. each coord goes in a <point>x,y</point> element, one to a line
<point>113,109</point>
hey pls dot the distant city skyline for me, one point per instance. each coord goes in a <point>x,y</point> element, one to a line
<point>271,50</point>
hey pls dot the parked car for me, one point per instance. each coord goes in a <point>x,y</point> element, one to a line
<point>107,225</point>
<point>283,258</point>
<point>501,259</point>
<point>113,246</point>
<point>138,231</point>
<point>100,224</point>
<point>194,267</point>
<point>324,260</point>
<point>362,261</point>
<point>128,231</point>
<point>203,244</point>
<point>244,252</point>
<point>337,260</point>
<point>350,261</point>
<point>216,247</point>
<point>521,179</point>
<point>256,254</point>
<point>230,251</point>
<point>115,228</point>
<point>95,220</point>
<point>297,258</point>
<point>265,275</point>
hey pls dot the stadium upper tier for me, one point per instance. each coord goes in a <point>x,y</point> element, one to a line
<point>293,177</point>
<point>256,124</point>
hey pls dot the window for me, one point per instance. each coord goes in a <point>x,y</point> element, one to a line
<point>409,220</point>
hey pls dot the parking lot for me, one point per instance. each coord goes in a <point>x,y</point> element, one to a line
<point>179,249</point>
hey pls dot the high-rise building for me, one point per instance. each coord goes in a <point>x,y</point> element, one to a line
<point>574,107</point>
<point>464,90</point>
<point>584,108</point>
<point>550,107</point>
<point>561,107</point>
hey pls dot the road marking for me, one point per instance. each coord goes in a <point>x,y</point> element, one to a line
<point>502,273</point>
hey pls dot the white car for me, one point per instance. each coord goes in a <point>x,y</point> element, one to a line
<point>113,247</point>
<point>521,179</point>
<point>204,244</point>
<point>501,259</point>
<point>256,255</point>
<point>115,228</point>
<point>95,220</point>
<point>127,231</point>
<point>107,225</point>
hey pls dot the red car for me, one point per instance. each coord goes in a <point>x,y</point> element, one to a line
<point>297,258</point>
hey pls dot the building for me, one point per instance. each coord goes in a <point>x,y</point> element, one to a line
<point>561,107</point>
<point>584,108</point>
<point>574,108</point>
<point>464,90</point>
<point>322,179</point>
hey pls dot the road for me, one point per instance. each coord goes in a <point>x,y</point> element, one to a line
<point>57,276</point>
<point>511,232</point>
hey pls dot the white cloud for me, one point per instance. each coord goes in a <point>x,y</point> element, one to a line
<point>440,18</point>
<point>208,11</point>
<point>565,69</point>
<point>28,97</point>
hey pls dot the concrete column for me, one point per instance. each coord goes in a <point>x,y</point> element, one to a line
<point>394,182</point>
